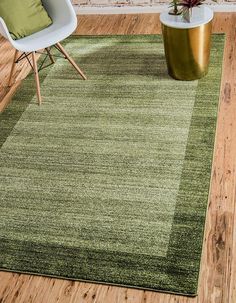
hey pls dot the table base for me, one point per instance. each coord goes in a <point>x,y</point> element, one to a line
<point>187,51</point>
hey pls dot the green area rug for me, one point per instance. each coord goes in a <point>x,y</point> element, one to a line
<point>108,180</point>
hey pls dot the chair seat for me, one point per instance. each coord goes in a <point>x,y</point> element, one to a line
<point>45,38</point>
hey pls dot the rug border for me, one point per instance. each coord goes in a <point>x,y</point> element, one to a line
<point>213,153</point>
<point>202,236</point>
<point>218,85</point>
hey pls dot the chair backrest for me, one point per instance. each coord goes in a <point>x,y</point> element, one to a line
<point>61,11</point>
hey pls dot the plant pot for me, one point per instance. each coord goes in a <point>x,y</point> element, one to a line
<point>187,14</point>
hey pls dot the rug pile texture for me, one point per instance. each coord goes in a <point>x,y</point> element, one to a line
<point>108,180</point>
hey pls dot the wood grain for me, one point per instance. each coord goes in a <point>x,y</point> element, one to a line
<point>217,281</point>
<point>36,76</point>
<point>72,62</point>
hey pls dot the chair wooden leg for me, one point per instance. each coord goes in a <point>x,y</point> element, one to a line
<point>36,74</point>
<point>72,62</point>
<point>13,68</point>
<point>49,54</point>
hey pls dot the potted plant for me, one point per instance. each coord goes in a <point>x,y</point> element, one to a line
<point>186,30</point>
<point>174,11</point>
<point>186,8</point>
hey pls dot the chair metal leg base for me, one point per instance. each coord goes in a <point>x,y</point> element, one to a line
<point>48,50</point>
<point>35,68</point>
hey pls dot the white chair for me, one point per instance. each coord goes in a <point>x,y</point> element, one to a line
<point>64,23</point>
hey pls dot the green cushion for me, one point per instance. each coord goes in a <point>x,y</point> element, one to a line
<point>24,17</point>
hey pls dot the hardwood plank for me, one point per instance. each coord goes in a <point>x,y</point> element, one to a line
<point>217,281</point>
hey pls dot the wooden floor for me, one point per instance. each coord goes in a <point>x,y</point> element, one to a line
<point>217,283</point>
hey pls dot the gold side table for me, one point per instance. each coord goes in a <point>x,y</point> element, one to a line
<point>187,44</point>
